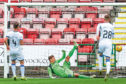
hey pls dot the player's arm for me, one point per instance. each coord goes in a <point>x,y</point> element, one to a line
<point>63,56</point>
<point>50,72</point>
<point>98,32</point>
<point>6,43</point>
<point>21,40</point>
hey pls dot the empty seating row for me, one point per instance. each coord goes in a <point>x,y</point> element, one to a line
<point>16,1</point>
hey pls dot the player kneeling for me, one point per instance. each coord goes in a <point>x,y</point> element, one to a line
<point>15,40</point>
<point>64,71</point>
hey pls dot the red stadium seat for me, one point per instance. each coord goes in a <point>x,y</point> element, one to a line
<point>85,49</point>
<point>64,42</point>
<point>97,0</point>
<point>25,23</point>
<point>3,0</point>
<point>97,21</point>
<point>85,1</point>
<point>88,41</point>
<point>32,33</point>
<point>74,23</point>
<point>50,23</point>
<point>45,33</point>
<point>39,41</point>
<point>62,23</point>
<point>67,13</point>
<point>57,33</point>
<point>28,41</point>
<point>110,0</point>
<point>61,0</point>
<point>19,12</point>
<point>43,13</point>
<point>79,13</point>
<point>38,23</point>
<point>1,13</point>
<point>1,41</point>
<point>55,13</point>
<point>24,32</point>
<point>14,1</point>
<point>32,12</point>
<point>1,23</point>
<point>69,33</point>
<point>73,0</point>
<point>81,33</point>
<point>77,40</point>
<point>51,41</point>
<point>49,0</point>
<point>86,23</point>
<point>38,1</point>
<point>92,33</point>
<point>26,1</point>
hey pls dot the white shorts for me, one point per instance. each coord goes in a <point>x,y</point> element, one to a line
<point>105,48</point>
<point>16,56</point>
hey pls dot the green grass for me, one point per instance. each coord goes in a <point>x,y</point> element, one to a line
<point>64,81</point>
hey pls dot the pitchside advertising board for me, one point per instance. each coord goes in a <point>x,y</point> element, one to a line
<point>37,55</point>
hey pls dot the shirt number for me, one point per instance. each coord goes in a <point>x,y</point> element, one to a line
<point>107,34</point>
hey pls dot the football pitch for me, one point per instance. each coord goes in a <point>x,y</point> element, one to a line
<point>64,81</point>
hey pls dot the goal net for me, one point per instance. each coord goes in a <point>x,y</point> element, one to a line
<point>49,28</point>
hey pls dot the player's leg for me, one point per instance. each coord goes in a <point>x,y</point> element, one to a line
<point>13,67</point>
<point>83,76</point>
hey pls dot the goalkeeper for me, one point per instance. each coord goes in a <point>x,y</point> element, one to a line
<point>64,72</point>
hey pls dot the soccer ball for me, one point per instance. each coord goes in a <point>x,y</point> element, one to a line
<point>118,48</point>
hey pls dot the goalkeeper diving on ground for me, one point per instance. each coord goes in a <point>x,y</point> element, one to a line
<point>64,71</point>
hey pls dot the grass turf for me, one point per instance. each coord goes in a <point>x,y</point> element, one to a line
<point>64,81</point>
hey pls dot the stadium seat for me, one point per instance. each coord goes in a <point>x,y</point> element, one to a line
<point>1,23</point>
<point>97,21</point>
<point>109,0</point>
<point>62,23</point>
<point>79,13</point>
<point>32,12</point>
<point>86,23</point>
<point>85,1</point>
<point>69,33</point>
<point>1,33</point>
<point>92,33</point>
<point>57,33</point>
<point>38,1</point>
<point>73,0</point>
<point>88,41</point>
<point>43,13</point>
<point>50,23</point>
<point>64,42</point>
<point>1,13</point>
<point>49,1</point>
<point>55,13</point>
<point>82,58</point>
<point>85,49</point>
<point>61,0</point>
<point>19,12</point>
<point>97,1</point>
<point>120,0</point>
<point>39,41</point>
<point>74,23</point>
<point>45,33</point>
<point>14,1</point>
<point>3,0</point>
<point>26,23</point>
<point>38,23</point>
<point>77,40</point>
<point>32,33</point>
<point>1,41</point>
<point>51,41</point>
<point>67,13</point>
<point>81,33</point>
<point>28,41</point>
<point>25,1</point>
<point>24,32</point>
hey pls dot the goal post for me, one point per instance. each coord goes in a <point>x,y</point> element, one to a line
<point>7,18</point>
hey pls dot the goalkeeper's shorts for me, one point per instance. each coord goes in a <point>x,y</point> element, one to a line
<point>70,73</point>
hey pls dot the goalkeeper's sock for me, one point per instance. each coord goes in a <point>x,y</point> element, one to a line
<point>13,67</point>
<point>100,58</point>
<point>108,66</point>
<point>72,51</point>
<point>22,68</point>
<point>83,76</point>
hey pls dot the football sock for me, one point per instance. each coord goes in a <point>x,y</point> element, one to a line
<point>83,76</point>
<point>100,58</point>
<point>13,67</point>
<point>22,68</point>
<point>108,65</point>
